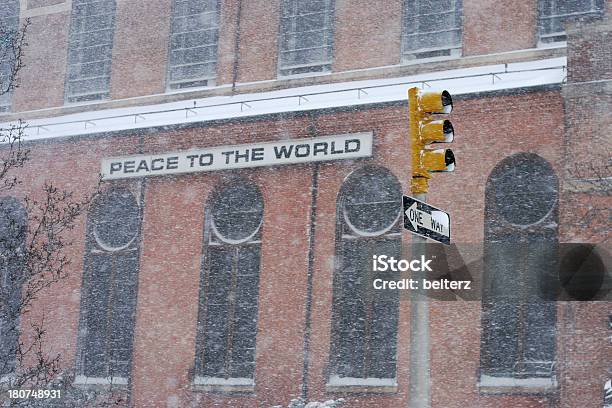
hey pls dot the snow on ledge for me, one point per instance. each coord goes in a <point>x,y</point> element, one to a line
<point>527,383</point>
<point>219,384</point>
<point>84,380</point>
<point>232,382</point>
<point>337,381</point>
<point>345,94</point>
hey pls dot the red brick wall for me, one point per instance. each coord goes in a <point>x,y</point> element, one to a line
<point>586,207</point>
<point>140,48</point>
<point>228,31</point>
<point>589,53</point>
<point>364,38</point>
<point>488,129</point>
<point>491,26</point>
<point>41,82</point>
<point>258,40</point>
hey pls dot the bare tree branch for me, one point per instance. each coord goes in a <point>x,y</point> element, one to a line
<point>12,48</point>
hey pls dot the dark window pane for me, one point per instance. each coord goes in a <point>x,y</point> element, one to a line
<point>500,345</point>
<point>215,341</point>
<point>99,276</point>
<point>219,282</point>
<point>540,337</point>
<point>244,365</point>
<point>93,54</point>
<point>247,282</point>
<point>383,345</point>
<point>196,55</point>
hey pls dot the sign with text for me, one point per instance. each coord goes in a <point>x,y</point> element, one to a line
<point>422,219</point>
<point>348,146</point>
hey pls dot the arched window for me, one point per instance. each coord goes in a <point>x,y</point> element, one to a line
<point>364,327</point>
<point>521,239</point>
<point>229,286</point>
<point>109,286</point>
<point>13,228</point>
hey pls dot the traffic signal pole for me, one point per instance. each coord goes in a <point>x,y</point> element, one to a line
<point>418,396</point>
<point>425,130</point>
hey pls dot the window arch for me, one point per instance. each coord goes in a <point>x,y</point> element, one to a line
<point>364,326</point>
<point>229,285</point>
<point>521,240</point>
<point>13,230</point>
<point>110,285</point>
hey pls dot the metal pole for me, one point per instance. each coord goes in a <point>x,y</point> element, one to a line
<point>419,331</point>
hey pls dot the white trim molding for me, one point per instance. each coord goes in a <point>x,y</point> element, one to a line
<point>84,380</point>
<point>224,384</point>
<point>353,384</point>
<point>503,385</point>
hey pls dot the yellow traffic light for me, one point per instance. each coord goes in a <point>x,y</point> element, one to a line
<point>437,131</point>
<point>434,102</point>
<point>439,160</point>
<point>425,129</point>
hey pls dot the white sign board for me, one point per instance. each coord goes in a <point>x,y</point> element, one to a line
<point>348,146</point>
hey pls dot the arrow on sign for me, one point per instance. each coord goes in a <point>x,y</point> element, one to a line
<point>437,221</point>
<point>426,220</point>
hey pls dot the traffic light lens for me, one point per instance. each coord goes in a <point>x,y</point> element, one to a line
<point>447,127</point>
<point>448,131</point>
<point>447,102</point>
<point>449,157</point>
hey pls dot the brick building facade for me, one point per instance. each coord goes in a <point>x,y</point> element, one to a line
<point>233,288</point>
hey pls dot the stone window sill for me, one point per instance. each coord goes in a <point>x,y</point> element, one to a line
<point>214,384</point>
<point>103,383</point>
<point>553,44</point>
<point>510,385</point>
<point>361,385</point>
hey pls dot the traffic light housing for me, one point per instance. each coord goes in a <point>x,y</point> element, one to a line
<point>426,129</point>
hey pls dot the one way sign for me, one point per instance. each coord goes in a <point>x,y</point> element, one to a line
<point>427,221</point>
